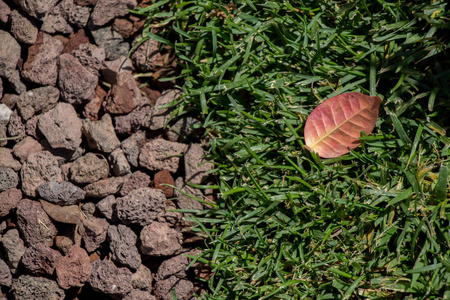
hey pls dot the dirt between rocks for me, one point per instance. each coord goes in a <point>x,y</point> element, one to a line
<point>85,158</point>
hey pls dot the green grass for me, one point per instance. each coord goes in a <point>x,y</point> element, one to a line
<point>373,224</point>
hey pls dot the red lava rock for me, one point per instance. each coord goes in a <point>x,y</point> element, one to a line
<point>110,280</point>
<point>9,54</point>
<point>172,218</point>
<point>36,288</point>
<point>74,269</point>
<point>85,2</point>
<point>184,289</point>
<point>176,265</point>
<point>75,14</point>
<point>63,243</point>
<point>14,248</point>
<point>132,147</point>
<point>26,147</point>
<point>106,10</point>
<point>90,56</point>
<point>119,163</point>
<point>158,239</point>
<point>9,200</point>
<point>147,56</point>
<point>41,65</point>
<point>142,279</point>
<point>195,164</point>
<point>22,28</point>
<point>36,8</point>
<point>139,295</point>
<point>61,127</point>
<point>34,224</point>
<point>133,121</point>
<point>31,127</point>
<point>8,179</point>
<point>40,259</point>
<point>124,27</point>
<point>100,134</point>
<point>107,207</point>
<point>124,95</point>
<point>77,84</point>
<point>55,21</point>
<point>5,274</point>
<point>122,242</point>
<point>92,108</point>
<point>164,177</point>
<point>160,154</point>
<point>160,116</point>
<point>5,11</point>
<point>184,201</point>
<point>140,206</point>
<point>37,169</point>
<point>88,168</point>
<point>136,181</point>
<point>104,187</point>
<point>15,125</point>
<point>75,40</point>
<point>111,69</point>
<point>151,94</point>
<point>37,101</point>
<point>8,161</point>
<point>61,193</point>
<point>95,230</point>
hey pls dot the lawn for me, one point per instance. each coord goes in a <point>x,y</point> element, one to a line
<point>371,224</point>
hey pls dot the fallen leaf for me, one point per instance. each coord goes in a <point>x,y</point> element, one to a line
<point>333,127</point>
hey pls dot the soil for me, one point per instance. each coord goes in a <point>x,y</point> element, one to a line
<point>86,153</point>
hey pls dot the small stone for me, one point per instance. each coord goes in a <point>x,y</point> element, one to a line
<point>5,11</point>
<point>26,147</point>
<point>37,8</point>
<point>160,154</point>
<point>41,66</point>
<point>34,223</point>
<point>31,127</point>
<point>77,84</point>
<point>111,69</point>
<point>63,244</point>
<point>9,200</point>
<point>106,10</point>
<point>40,259</point>
<point>88,168</point>
<point>74,269</point>
<point>195,164</point>
<point>92,108</point>
<point>15,81</point>
<point>136,181</point>
<point>124,27</point>
<point>15,126</point>
<point>23,29</point>
<point>140,206</point>
<point>75,14</point>
<point>184,201</point>
<point>86,2</point>
<point>133,121</point>
<point>107,207</point>
<point>5,273</point>
<point>100,134</point>
<point>75,40</point>
<point>104,187</point>
<point>132,147</point>
<point>184,128</point>
<point>95,230</point>
<point>8,161</point>
<point>119,163</point>
<point>88,209</point>
<point>184,289</point>
<point>61,127</point>
<point>142,279</point>
<point>122,242</point>
<point>176,265</point>
<point>55,22</point>
<point>139,295</point>
<point>90,56</point>
<point>61,193</point>
<point>110,280</point>
<point>36,101</point>
<point>113,43</point>
<point>164,177</point>
<point>147,56</point>
<point>158,239</point>
<point>160,116</point>
<point>14,248</point>
<point>37,169</point>
<point>124,95</point>
<point>9,54</point>
<point>172,218</point>
<point>8,179</point>
<point>36,288</point>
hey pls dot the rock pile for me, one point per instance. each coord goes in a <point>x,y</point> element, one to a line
<point>88,157</point>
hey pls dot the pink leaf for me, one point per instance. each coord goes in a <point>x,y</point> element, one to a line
<point>333,128</point>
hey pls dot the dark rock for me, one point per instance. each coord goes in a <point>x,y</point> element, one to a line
<point>74,269</point>
<point>158,239</point>
<point>41,66</point>
<point>122,242</point>
<point>36,288</point>
<point>8,161</point>
<point>100,134</point>
<point>90,56</point>
<point>136,181</point>
<point>159,116</point>
<point>88,209</point>
<point>9,54</point>
<point>77,83</point>
<point>8,179</point>
<point>23,29</point>
<point>173,266</point>
<point>39,167</point>
<point>133,121</point>
<point>40,259</point>
<point>37,8</point>
<point>88,168</point>
<point>106,10</point>
<point>124,95</point>
<point>107,207</point>
<point>113,43</point>
<point>132,147</point>
<point>95,230</point>
<point>104,187</point>
<point>164,177</point>
<point>110,280</point>
<point>14,248</point>
<point>5,273</point>
<point>184,289</point>
<point>142,279</point>
<point>119,163</point>
<point>61,127</point>
<point>37,101</point>
<point>147,56</point>
<point>9,200</point>
<point>61,193</point>
<point>184,128</point>
<point>159,154</point>
<point>140,206</point>
<point>26,147</point>
<point>92,108</point>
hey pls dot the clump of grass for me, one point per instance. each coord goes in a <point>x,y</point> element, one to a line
<point>288,225</point>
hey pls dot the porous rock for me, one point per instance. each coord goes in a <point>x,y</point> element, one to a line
<point>160,154</point>
<point>160,115</point>
<point>119,163</point>
<point>14,248</point>
<point>95,230</point>
<point>74,269</point>
<point>132,122</point>
<point>109,279</point>
<point>5,274</point>
<point>139,295</point>
<point>5,11</point>
<point>40,259</point>
<point>135,181</point>
<point>124,95</point>
<point>55,21</point>
<point>107,207</point>
<point>158,239</point>
<point>9,200</point>
<point>182,192</point>
<point>195,164</point>
<point>147,56</point>
<point>104,187</point>
<point>106,10</point>
<point>8,179</point>
<point>122,242</point>
<point>9,54</point>
<point>132,147</point>
<point>15,81</point>
<point>37,8</point>
<point>184,289</point>
<point>88,168</point>
<point>36,101</point>
<point>100,134</point>
<point>75,14</point>
<point>140,206</point>
<point>90,56</point>
<point>26,147</point>
<point>142,279</point>
<point>37,288</point>
<point>92,108</point>
<point>61,193</point>
<point>173,266</point>
<point>15,126</point>
<point>23,29</point>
